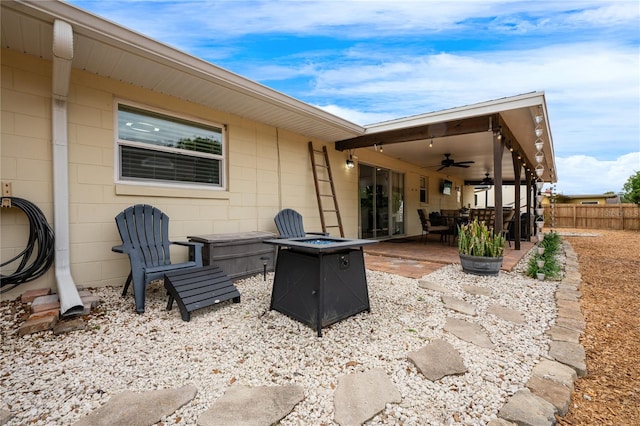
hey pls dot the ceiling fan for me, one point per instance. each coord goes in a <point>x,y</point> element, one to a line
<point>486,183</point>
<point>450,162</point>
<point>487,180</point>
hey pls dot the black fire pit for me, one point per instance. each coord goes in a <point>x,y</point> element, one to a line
<point>319,281</point>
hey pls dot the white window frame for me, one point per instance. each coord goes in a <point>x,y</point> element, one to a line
<point>222,158</point>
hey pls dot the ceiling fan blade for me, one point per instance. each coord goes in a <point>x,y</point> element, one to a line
<point>443,167</point>
<point>464,166</point>
<point>465,162</point>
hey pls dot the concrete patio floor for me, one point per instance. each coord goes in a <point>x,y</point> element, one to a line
<point>413,258</point>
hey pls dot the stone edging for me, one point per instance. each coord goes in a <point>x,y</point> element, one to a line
<point>552,380</point>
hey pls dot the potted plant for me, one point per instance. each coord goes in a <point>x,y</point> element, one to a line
<point>480,249</point>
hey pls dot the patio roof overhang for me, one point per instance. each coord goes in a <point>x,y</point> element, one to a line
<point>468,133</point>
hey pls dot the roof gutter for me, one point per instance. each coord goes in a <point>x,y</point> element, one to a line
<point>70,301</point>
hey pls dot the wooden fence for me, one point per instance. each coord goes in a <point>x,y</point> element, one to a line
<point>602,216</point>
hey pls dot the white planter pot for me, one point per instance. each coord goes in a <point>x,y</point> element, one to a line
<point>540,276</point>
<point>540,263</point>
<point>541,250</point>
<point>540,211</point>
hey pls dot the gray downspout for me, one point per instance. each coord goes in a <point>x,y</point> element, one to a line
<point>70,301</point>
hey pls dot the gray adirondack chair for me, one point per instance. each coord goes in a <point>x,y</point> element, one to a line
<point>144,231</point>
<point>289,224</point>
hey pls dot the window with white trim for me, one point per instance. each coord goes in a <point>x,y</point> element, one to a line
<point>158,148</point>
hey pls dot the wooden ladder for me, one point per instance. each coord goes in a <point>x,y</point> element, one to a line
<point>321,177</point>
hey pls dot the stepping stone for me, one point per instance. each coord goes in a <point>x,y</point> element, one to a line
<point>5,416</point>
<point>555,393</point>
<point>429,285</point>
<point>459,305</point>
<point>252,405</point>
<point>571,354</point>
<point>438,359</point>
<point>506,314</point>
<point>469,332</point>
<point>361,396</point>
<point>500,422</point>
<point>525,408</point>
<point>477,290</point>
<point>139,408</point>
<point>553,370</point>
<point>564,334</point>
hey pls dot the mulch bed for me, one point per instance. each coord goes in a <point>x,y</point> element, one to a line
<point>610,268</point>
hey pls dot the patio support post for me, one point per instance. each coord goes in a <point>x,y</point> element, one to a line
<point>517,169</point>
<point>498,150</point>
<point>529,202</point>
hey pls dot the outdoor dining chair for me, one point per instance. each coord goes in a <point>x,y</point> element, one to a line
<point>428,228</point>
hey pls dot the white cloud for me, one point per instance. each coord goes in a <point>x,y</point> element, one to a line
<point>581,174</point>
<point>356,116</point>
<point>220,20</point>
<point>582,53</point>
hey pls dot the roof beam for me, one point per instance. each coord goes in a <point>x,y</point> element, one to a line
<point>426,131</point>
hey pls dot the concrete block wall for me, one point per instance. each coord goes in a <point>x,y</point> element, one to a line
<point>267,169</point>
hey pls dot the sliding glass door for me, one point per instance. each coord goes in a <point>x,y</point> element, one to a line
<point>381,202</point>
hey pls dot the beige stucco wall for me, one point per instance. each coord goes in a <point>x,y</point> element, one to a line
<point>268,169</point>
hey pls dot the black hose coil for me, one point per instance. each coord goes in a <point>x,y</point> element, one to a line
<point>37,257</point>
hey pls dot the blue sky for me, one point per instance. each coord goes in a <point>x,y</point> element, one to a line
<point>370,61</point>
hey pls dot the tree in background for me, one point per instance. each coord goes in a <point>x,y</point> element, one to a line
<point>631,189</point>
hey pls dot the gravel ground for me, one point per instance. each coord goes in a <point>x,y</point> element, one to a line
<point>50,380</point>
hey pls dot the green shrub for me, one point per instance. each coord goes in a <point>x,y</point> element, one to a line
<point>552,268</point>
<point>475,239</point>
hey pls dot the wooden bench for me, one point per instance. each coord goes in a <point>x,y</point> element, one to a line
<point>198,288</point>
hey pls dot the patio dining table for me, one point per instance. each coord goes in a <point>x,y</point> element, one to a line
<point>453,222</point>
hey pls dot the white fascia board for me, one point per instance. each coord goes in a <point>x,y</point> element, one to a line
<point>93,26</point>
<point>467,111</point>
